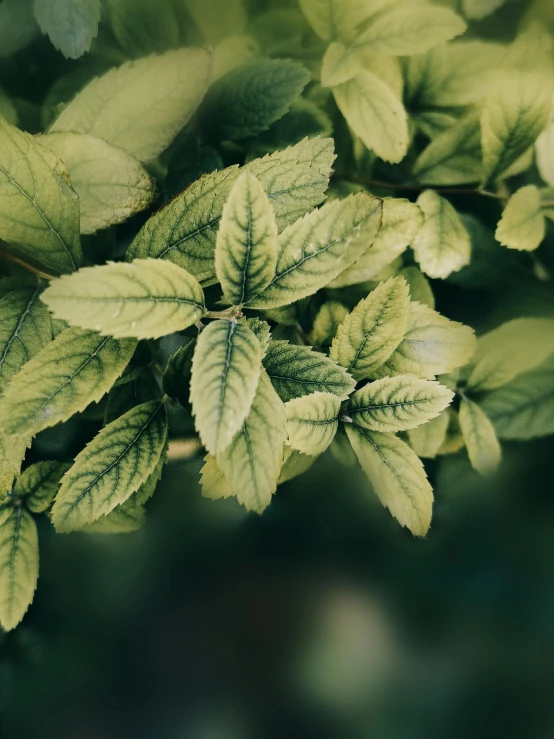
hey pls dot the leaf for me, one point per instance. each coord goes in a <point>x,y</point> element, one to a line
<point>123,398</point>
<point>247,100</point>
<point>141,28</point>
<point>375,114</point>
<point>177,375</point>
<point>297,370</point>
<point>317,248</point>
<point>74,370</point>
<point>39,484</point>
<point>544,152</point>
<point>246,247</point>
<point>217,20</point>
<point>12,454</point>
<point>442,245</point>
<point>408,28</point>
<point>18,565</point>
<point>426,440</point>
<point>225,373</point>
<point>513,115</point>
<point>398,403</point>
<point>252,462</point>
<point>71,24</point>
<point>339,65</point>
<point>433,345</point>
<point>25,329</point>
<point>145,299</point>
<point>338,19</point>
<point>185,230</point>
<point>233,52</point>
<point>111,185</point>
<point>369,335</point>
<point>326,322</point>
<point>312,422</point>
<point>18,26</point>
<point>513,348</point>
<point>295,464</point>
<point>111,467</point>
<point>304,120</point>
<point>522,225</point>
<point>480,438</point>
<point>397,475</point>
<point>39,212</point>
<point>523,409</point>
<point>401,223</point>
<point>261,331</point>
<point>420,289</point>
<point>478,9</point>
<point>141,106</point>
<point>454,157</point>
<point>213,481</point>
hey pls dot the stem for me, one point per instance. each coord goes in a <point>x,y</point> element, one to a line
<point>180,450</point>
<point>21,263</point>
<point>230,313</point>
<point>415,188</point>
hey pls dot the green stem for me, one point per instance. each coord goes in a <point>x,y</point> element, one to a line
<point>415,188</point>
<point>229,314</point>
<point>29,267</point>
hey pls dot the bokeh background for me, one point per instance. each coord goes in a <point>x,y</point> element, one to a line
<point>323,618</point>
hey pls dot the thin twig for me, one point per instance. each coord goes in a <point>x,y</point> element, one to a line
<point>29,267</point>
<point>415,188</point>
<point>180,450</point>
<point>230,313</point>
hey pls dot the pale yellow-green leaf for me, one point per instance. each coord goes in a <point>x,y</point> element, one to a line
<point>70,373</point>
<point>246,247</point>
<point>141,106</point>
<point>420,289</point>
<point>371,332</point>
<point>326,322</point>
<point>297,370</point>
<point>225,373</point>
<point>432,345</point>
<point>213,481</point>
<point>339,65</point>
<point>295,464</point>
<point>513,348</point>
<point>426,440</point>
<point>398,403</point>
<point>185,230</point>
<point>312,422</point>
<point>111,467</point>
<point>514,113</point>
<point>338,19</point>
<point>25,328</point>
<point>544,151</point>
<point>217,20</point>
<point>442,245</point>
<point>252,463</point>
<point>39,484</point>
<point>39,211</point>
<point>480,438</point>
<point>146,299</point>
<point>317,248</point>
<point>397,476</point>
<point>18,565</point>
<point>401,223</point>
<point>12,453</point>
<point>111,185</point>
<point>233,52</point>
<point>478,9</point>
<point>375,114</point>
<point>409,28</point>
<point>454,439</point>
<point>522,225</point>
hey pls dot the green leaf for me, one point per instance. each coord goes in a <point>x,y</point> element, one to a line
<point>252,463</point>
<point>480,438</point>
<point>513,115</point>
<point>397,475</point>
<point>74,370</point>
<point>39,212</point>
<point>401,223</point>
<point>297,370</point>
<point>420,289</point>
<point>250,98</point>
<point>141,27</point>
<point>326,322</point>
<point>233,52</point>
<point>295,464</point>
<point>145,299</point>
<point>185,230</point>
<point>71,24</point>
<point>375,114</point>
<point>433,345</point>
<point>339,65</point>
<point>18,26</point>
<point>39,484</point>
<point>317,248</point>
<point>304,120</point>
<point>522,225</point>
<point>369,335</point>
<point>312,422</point>
<point>111,467</point>
<point>513,348</point>
<point>453,157</point>
<point>409,28</point>
<point>178,373</point>
<point>246,247</point>
<point>442,245</point>
<point>213,481</point>
<point>25,329</point>
<point>523,409</point>
<point>225,373</point>
<point>261,331</point>
<point>141,106</point>
<point>426,440</point>
<point>544,152</point>
<point>18,565</point>
<point>478,9</point>
<point>338,19</point>
<point>111,185</point>
<point>217,20</point>
<point>398,403</point>
<point>12,453</point>
<point>123,398</point>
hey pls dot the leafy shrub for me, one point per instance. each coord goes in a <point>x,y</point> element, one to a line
<point>240,198</point>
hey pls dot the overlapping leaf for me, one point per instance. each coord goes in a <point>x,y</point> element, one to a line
<point>18,564</point>
<point>480,438</point>
<point>39,484</point>
<point>70,24</point>
<point>312,422</point>
<point>522,225</point>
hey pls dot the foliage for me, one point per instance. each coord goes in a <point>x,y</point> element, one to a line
<point>253,236</point>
